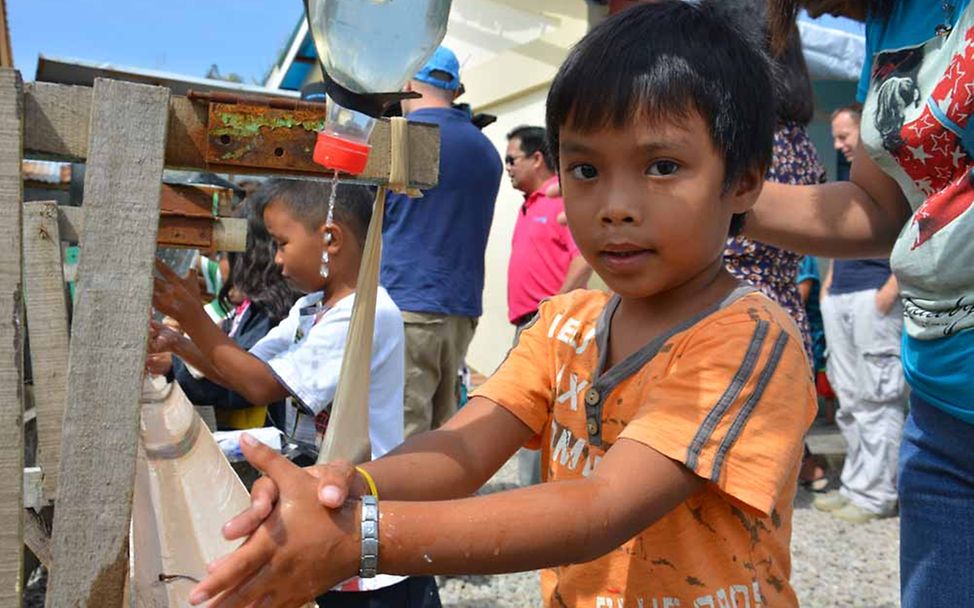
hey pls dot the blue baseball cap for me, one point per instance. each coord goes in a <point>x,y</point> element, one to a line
<point>443,61</point>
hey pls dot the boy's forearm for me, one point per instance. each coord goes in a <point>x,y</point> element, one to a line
<point>232,366</point>
<point>186,350</point>
<point>536,527</point>
<point>453,461</point>
<point>545,525</point>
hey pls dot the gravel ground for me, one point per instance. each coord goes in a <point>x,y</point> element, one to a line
<point>834,564</point>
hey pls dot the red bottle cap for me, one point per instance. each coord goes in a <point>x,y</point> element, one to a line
<point>343,154</point>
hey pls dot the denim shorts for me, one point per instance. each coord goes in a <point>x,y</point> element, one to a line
<point>936,487</point>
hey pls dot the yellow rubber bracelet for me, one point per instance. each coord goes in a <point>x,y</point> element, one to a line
<point>368,480</point>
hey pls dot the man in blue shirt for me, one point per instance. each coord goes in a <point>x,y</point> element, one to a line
<point>433,247</point>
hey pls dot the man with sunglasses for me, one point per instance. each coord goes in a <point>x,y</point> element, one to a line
<point>544,258</point>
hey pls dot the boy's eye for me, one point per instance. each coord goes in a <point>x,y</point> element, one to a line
<point>584,172</point>
<point>663,168</point>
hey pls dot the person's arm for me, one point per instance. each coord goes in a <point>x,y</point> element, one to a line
<point>456,460</point>
<point>887,295</point>
<point>577,275</point>
<point>856,219</point>
<point>166,340</point>
<point>212,351</point>
<point>505,532</point>
<point>805,290</point>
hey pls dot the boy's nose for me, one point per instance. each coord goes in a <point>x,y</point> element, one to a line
<point>619,210</point>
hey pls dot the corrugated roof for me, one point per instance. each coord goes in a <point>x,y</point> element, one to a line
<point>79,72</point>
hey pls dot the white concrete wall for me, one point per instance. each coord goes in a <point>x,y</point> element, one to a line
<point>509,50</point>
<point>495,334</point>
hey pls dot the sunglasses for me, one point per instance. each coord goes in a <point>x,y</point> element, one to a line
<point>510,160</point>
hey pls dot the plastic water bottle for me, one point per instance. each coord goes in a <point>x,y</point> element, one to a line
<point>367,47</point>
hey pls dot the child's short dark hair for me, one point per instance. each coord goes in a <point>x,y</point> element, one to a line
<point>665,60</point>
<point>307,201</point>
<point>533,139</point>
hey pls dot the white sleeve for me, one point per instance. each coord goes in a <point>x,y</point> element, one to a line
<point>277,340</point>
<point>309,370</point>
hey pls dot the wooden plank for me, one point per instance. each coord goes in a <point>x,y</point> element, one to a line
<point>56,127</point>
<point>108,340</point>
<point>228,233</point>
<point>37,537</point>
<point>11,339</point>
<point>56,120</point>
<point>47,321</point>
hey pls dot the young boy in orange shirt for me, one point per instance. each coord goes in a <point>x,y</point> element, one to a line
<point>670,415</point>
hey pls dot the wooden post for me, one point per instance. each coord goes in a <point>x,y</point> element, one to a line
<point>11,343</point>
<point>47,321</point>
<point>127,141</point>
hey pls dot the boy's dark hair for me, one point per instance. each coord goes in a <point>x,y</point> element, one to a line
<point>307,201</point>
<point>254,272</point>
<point>533,139</point>
<point>666,60</point>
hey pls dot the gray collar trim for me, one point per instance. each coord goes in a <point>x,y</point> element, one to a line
<point>605,381</point>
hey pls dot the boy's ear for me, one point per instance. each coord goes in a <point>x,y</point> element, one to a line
<point>745,191</point>
<point>333,237</point>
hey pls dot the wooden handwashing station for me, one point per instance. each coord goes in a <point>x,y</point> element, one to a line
<point>87,358</point>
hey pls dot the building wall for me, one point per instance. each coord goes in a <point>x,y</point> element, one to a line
<point>509,51</point>
<point>494,333</point>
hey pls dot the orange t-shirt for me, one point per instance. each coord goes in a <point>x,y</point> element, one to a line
<point>727,394</point>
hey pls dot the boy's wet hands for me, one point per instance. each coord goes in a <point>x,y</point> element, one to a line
<point>174,295</point>
<point>337,482</point>
<point>263,498</point>
<point>280,563</point>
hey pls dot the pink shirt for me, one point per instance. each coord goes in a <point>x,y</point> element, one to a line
<point>541,251</point>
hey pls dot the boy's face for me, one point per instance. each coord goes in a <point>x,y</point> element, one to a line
<point>298,248</point>
<point>645,202</point>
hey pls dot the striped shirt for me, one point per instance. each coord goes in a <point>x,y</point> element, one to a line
<point>727,394</point>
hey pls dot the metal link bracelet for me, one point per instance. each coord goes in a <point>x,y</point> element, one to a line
<point>369,563</point>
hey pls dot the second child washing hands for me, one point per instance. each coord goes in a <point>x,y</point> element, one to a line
<point>319,252</point>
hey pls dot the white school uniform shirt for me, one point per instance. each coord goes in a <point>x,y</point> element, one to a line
<point>305,353</point>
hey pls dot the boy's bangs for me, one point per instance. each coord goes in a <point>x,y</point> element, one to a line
<point>664,61</point>
<point>664,90</point>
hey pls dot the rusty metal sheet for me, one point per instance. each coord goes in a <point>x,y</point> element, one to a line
<point>263,137</point>
<point>181,231</point>
<point>195,200</point>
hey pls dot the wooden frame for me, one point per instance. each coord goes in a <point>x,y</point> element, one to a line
<point>88,384</point>
<point>11,359</point>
